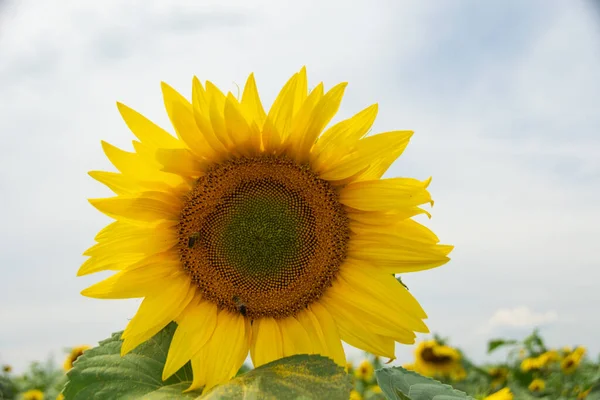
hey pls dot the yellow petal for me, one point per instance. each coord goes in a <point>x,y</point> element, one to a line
<point>130,164</point>
<point>201,112</point>
<point>323,112</point>
<point>397,254</point>
<point>157,310</point>
<point>113,262</point>
<point>227,349</point>
<point>388,302</point>
<point>385,288</point>
<point>367,156</point>
<point>218,125</point>
<point>314,331</point>
<point>380,164</point>
<point>331,340</point>
<point>251,104</point>
<point>200,368</point>
<point>403,232</point>
<point>279,119</point>
<point>200,100</point>
<point>295,338</point>
<point>389,323</point>
<point>182,117</point>
<point>238,129</point>
<point>147,131</point>
<point>115,228</point>
<point>228,340</point>
<point>118,183</point>
<point>342,137</point>
<point>302,120</point>
<point>142,240</point>
<point>267,344</point>
<point>385,194</point>
<point>214,95</point>
<point>196,325</point>
<point>381,218</point>
<point>301,90</point>
<point>353,331</point>
<point>138,282</point>
<point>181,162</point>
<point>147,207</point>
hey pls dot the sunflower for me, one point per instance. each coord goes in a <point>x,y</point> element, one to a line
<point>364,371</point>
<point>549,357</point>
<point>584,394</point>
<point>262,232</point>
<point>458,374</point>
<point>579,351</point>
<point>531,364</point>
<point>433,359</point>
<point>74,355</point>
<point>502,394</point>
<point>570,363</point>
<point>499,375</point>
<point>537,385</point>
<point>410,367</point>
<point>355,395</point>
<point>33,395</point>
<point>375,389</point>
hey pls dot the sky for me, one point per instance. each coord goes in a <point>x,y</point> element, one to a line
<point>503,97</point>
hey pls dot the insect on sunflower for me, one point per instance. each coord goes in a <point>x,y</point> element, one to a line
<point>262,232</point>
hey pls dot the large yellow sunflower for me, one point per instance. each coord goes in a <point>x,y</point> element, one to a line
<point>262,232</point>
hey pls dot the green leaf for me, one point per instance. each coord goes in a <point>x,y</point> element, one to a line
<point>297,377</point>
<point>101,373</point>
<point>7,388</point>
<point>398,383</point>
<point>496,343</point>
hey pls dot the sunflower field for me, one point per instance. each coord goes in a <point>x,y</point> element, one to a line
<point>530,371</point>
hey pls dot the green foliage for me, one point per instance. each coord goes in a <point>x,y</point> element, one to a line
<point>101,373</point>
<point>534,343</point>
<point>400,384</point>
<point>297,377</point>
<point>8,388</point>
<point>497,343</point>
<point>45,377</point>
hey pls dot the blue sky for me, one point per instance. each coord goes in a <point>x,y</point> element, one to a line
<point>503,97</point>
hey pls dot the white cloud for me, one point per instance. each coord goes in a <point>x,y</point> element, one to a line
<point>519,317</point>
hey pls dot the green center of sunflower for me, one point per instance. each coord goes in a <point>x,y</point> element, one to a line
<point>262,236</point>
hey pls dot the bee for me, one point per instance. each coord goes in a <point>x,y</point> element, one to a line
<point>239,304</point>
<point>192,239</point>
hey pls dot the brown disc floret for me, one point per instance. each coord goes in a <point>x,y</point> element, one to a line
<point>262,236</point>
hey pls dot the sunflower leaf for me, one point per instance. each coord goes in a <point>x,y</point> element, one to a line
<point>297,377</point>
<point>101,373</point>
<point>400,384</point>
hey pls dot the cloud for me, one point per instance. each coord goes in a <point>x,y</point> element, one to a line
<point>518,317</point>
